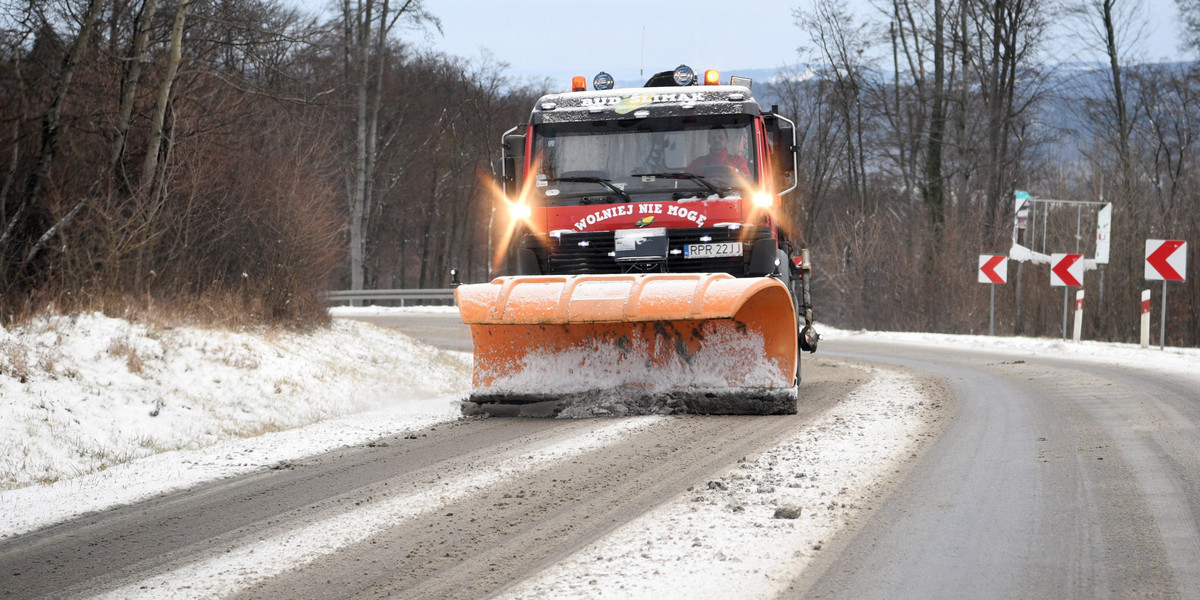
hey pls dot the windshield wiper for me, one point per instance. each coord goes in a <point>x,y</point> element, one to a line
<point>600,180</point>
<point>683,175</point>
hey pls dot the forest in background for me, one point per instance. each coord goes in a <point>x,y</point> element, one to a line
<point>235,159</point>
<point>227,159</point>
<point>917,126</point>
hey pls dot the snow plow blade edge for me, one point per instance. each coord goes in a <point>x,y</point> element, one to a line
<point>588,345</point>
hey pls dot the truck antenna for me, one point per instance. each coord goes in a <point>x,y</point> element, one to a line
<point>642,66</point>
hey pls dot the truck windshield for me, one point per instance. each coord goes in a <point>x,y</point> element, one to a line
<point>648,159</point>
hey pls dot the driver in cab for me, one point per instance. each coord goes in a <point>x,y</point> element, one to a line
<point>718,154</point>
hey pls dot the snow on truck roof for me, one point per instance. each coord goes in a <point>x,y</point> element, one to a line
<point>566,107</point>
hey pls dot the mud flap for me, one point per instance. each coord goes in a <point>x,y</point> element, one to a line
<point>764,256</point>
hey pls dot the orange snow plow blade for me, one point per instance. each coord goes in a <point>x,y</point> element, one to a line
<point>584,345</point>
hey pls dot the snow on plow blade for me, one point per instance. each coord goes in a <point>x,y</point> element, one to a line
<point>583,345</point>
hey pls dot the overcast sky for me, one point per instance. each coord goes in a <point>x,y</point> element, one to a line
<point>558,38</point>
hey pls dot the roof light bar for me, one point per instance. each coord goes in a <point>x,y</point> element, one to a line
<point>684,75</point>
<point>603,81</point>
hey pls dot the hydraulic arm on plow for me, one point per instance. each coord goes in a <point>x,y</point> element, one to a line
<point>653,275</point>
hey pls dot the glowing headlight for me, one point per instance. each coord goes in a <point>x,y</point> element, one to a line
<point>520,211</point>
<point>764,200</point>
<point>603,81</point>
<point>684,75</point>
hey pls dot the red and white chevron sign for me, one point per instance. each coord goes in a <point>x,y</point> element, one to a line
<point>993,268</point>
<point>1066,270</point>
<point>1166,260</point>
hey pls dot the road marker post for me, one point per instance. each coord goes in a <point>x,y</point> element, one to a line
<point>1078,315</point>
<point>1145,319</point>
<point>1165,260</point>
<point>1162,323</point>
<point>1066,271</point>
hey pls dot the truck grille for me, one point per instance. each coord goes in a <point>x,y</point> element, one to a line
<point>589,252</point>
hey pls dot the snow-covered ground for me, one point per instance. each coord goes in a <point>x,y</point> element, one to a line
<point>96,412</point>
<point>1184,361</point>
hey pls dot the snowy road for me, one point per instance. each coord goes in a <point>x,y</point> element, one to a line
<point>919,466</point>
<point>469,508</point>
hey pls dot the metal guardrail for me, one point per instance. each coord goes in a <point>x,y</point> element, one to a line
<point>416,296</point>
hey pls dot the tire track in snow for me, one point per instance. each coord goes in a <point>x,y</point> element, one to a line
<point>724,540</point>
<point>225,570</point>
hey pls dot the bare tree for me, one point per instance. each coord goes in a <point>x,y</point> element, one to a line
<point>129,83</point>
<point>1004,36</point>
<point>933,189</point>
<point>366,27</point>
<point>51,127</point>
<point>842,45</point>
<point>174,55</point>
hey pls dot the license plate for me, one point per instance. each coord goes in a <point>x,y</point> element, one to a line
<point>715,250</point>
<point>635,245</point>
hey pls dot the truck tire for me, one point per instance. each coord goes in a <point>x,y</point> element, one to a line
<point>527,262</point>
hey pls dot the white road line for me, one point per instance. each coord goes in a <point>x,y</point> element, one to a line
<point>227,570</point>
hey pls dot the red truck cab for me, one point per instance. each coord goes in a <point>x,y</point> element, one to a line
<point>672,177</point>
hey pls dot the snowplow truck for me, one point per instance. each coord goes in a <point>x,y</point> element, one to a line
<point>652,274</point>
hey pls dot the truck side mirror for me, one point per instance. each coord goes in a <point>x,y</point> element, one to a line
<point>782,133</point>
<point>508,172</point>
<point>512,149</point>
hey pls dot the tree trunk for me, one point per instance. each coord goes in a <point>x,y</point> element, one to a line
<point>1118,92</point>
<point>934,190</point>
<point>367,98</point>
<point>174,55</point>
<point>358,198</point>
<point>129,85</point>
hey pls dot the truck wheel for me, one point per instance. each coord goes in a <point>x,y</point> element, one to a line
<point>527,262</point>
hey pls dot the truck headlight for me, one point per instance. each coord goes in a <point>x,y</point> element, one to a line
<point>520,211</point>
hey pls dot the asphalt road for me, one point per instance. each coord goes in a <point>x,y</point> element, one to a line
<point>444,330</point>
<point>1055,479</point>
<point>1052,479</point>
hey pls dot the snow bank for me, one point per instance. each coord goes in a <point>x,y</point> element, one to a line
<point>83,393</point>
<point>36,506</point>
